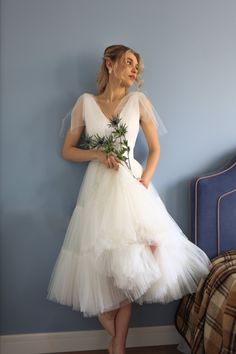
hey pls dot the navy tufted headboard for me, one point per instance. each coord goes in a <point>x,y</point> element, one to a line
<point>213,210</point>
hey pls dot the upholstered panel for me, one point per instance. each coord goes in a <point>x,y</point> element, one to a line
<point>213,210</point>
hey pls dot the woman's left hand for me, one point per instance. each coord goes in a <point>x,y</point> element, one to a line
<point>144,181</point>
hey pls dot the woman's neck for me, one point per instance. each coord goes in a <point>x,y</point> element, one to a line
<point>112,94</point>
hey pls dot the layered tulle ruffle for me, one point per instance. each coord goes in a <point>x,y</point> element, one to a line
<point>105,260</point>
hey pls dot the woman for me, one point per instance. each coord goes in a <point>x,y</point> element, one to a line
<point>121,245</point>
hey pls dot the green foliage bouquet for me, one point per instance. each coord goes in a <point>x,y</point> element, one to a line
<point>116,143</point>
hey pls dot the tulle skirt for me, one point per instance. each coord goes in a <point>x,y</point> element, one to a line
<point>106,260</point>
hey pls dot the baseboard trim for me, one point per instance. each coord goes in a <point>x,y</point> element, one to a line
<point>59,342</point>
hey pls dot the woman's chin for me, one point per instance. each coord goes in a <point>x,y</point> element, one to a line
<point>127,83</point>
<point>130,83</point>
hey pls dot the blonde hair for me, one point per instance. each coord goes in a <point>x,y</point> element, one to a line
<point>117,54</point>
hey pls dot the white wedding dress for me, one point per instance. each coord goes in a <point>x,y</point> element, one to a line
<point>106,260</point>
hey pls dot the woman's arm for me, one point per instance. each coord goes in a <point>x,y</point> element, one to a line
<point>72,153</point>
<point>77,125</point>
<point>151,135</point>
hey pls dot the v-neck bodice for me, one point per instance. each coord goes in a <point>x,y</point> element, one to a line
<point>119,107</point>
<point>96,122</point>
<point>131,109</point>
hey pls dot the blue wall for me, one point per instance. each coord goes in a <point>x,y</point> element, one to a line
<point>50,54</point>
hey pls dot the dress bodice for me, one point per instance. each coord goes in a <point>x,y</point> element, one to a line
<point>128,110</point>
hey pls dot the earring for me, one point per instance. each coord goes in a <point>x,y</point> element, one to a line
<point>109,70</point>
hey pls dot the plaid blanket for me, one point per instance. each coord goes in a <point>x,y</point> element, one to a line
<point>207,318</point>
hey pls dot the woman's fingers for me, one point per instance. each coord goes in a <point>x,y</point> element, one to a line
<point>141,180</point>
<point>114,159</point>
<point>112,162</point>
<point>115,163</point>
<point>118,160</point>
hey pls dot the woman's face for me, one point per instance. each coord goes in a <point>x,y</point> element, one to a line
<point>127,71</point>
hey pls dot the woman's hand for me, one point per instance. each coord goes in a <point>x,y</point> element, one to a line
<point>144,181</point>
<point>111,162</point>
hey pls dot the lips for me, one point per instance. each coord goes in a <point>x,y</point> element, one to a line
<point>132,77</point>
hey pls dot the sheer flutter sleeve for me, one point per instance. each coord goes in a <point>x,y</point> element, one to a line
<point>149,113</point>
<point>75,117</point>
